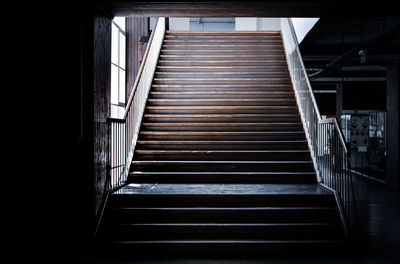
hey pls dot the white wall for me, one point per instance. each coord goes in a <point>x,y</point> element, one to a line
<point>245,23</point>
<point>257,23</point>
<point>303,25</point>
<point>267,24</point>
<point>179,23</point>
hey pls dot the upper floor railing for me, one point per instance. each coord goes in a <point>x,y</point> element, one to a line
<point>325,138</point>
<point>124,131</point>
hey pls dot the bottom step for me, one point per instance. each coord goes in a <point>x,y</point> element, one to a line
<point>225,248</point>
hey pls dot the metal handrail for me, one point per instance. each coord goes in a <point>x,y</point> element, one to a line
<point>135,85</point>
<point>124,130</point>
<point>325,138</point>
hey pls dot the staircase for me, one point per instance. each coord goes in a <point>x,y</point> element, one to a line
<point>222,164</point>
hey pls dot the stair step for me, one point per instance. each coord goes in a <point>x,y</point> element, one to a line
<point>223,33</point>
<point>220,101</point>
<point>261,63</point>
<point>254,69</point>
<point>209,51</point>
<point>222,57</point>
<point>164,231</point>
<point>225,214</point>
<point>224,195</point>
<point>227,37</point>
<point>222,118</point>
<point>222,94</point>
<point>222,177</point>
<point>221,109</point>
<point>217,41</point>
<point>221,75</point>
<point>222,36</point>
<point>226,248</point>
<point>206,80</point>
<point>239,47</point>
<point>222,87</point>
<point>223,145</point>
<point>221,126</point>
<point>221,155</point>
<point>221,165</point>
<point>216,135</point>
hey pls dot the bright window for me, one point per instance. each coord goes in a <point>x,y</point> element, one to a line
<point>118,67</point>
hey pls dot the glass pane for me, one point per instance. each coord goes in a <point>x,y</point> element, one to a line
<point>114,84</point>
<point>122,50</point>
<point>114,44</point>
<point>120,21</point>
<point>122,86</point>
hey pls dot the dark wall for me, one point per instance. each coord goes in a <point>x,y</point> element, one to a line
<point>54,130</point>
<point>135,27</point>
<point>364,96</point>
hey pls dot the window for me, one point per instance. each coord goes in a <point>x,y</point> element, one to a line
<point>118,66</point>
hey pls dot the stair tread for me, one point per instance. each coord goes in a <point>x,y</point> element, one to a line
<point>219,173</point>
<point>222,133</point>
<point>230,224</point>
<point>223,189</point>
<point>224,93</point>
<point>219,151</point>
<point>218,141</point>
<point>221,115</point>
<point>137,162</point>
<point>235,241</point>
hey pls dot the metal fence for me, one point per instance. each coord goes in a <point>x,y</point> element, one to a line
<point>325,138</point>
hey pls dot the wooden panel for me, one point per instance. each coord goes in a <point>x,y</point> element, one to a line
<point>102,81</point>
<point>135,27</point>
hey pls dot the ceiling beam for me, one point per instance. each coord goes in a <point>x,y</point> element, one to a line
<point>266,8</point>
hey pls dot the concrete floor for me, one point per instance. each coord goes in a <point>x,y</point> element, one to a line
<point>378,209</point>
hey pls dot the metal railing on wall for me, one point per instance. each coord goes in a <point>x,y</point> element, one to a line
<point>124,131</point>
<point>325,138</point>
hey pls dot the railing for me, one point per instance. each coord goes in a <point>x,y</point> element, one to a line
<point>325,138</point>
<point>124,131</point>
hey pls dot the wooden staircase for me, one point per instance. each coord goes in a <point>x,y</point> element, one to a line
<point>222,164</point>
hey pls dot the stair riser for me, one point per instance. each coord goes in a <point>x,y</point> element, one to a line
<point>260,63</point>
<point>293,250</point>
<point>183,52</point>
<point>221,110</point>
<point>207,75</point>
<point>221,127</point>
<point>216,69</point>
<point>237,178</point>
<point>217,95</point>
<point>220,102</point>
<point>225,200</point>
<point>224,156</point>
<point>173,136</point>
<point>308,167</point>
<point>229,57</point>
<point>221,146</point>
<point>216,81</point>
<point>171,232</point>
<point>223,216</point>
<point>148,118</point>
<point>223,47</point>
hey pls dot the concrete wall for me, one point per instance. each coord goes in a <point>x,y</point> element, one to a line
<point>257,23</point>
<point>179,23</point>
